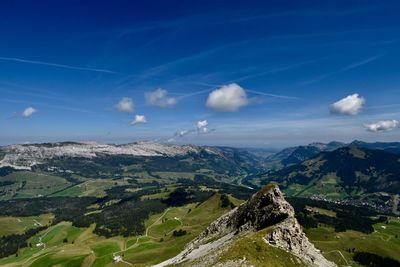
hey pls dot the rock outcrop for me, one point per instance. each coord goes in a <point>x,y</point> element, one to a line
<point>266,209</point>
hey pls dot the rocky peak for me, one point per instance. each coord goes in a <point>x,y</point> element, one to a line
<point>267,209</point>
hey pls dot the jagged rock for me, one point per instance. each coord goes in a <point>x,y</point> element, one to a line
<point>288,235</point>
<point>265,209</point>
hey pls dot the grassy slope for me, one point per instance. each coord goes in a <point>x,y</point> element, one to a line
<point>17,225</point>
<point>154,251</point>
<point>37,183</point>
<point>254,250</point>
<point>335,245</point>
<point>258,253</point>
<point>87,249</point>
<point>91,187</point>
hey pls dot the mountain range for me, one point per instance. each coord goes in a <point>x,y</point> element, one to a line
<point>294,155</point>
<point>347,172</point>
<point>196,205</point>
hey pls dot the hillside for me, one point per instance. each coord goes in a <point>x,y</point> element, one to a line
<point>295,155</point>
<point>62,168</point>
<point>393,147</point>
<point>250,234</point>
<point>347,171</point>
<point>65,244</point>
<point>28,156</point>
<point>106,205</point>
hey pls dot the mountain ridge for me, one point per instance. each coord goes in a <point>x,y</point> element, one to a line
<point>346,171</point>
<point>297,154</point>
<point>26,156</point>
<point>268,211</point>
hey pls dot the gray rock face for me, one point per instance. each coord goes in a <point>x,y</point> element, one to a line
<point>289,236</point>
<point>266,208</point>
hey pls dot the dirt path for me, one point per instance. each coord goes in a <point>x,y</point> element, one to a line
<point>46,250</point>
<point>41,253</point>
<point>115,254</point>
<point>156,221</point>
<point>338,251</point>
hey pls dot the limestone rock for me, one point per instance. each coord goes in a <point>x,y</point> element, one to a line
<point>265,209</point>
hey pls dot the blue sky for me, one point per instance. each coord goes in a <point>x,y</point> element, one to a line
<point>264,74</point>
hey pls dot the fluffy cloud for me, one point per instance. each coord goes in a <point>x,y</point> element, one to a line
<point>139,119</point>
<point>382,126</point>
<point>29,112</point>
<point>228,98</point>
<point>160,98</point>
<point>202,126</point>
<point>350,105</point>
<point>125,105</point>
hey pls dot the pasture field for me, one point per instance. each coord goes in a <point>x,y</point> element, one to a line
<point>326,212</point>
<point>65,245</point>
<point>175,175</point>
<point>327,185</point>
<point>17,225</point>
<point>91,188</point>
<point>384,241</point>
<point>31,184</point>
<point>162,195</point>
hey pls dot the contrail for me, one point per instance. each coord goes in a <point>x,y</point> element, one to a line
<point>272,95</point>
<point>344,69</point>
<point>361,63</point>
<point>250,91</point>
<point>21,60</point>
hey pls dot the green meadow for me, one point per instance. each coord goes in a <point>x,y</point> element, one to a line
<point>384,241</point>
<point>65,245</point>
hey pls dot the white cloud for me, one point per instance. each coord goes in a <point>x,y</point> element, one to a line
<point>160,98</point>
<point>202,126</point>
<point>350,105</point>
<point>382,126</point>
<point>139,119</point>
<point>29,112</point>
<point>125,105</point>
<point>228,98</point>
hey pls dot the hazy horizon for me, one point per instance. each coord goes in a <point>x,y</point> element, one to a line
<point>272,147</point>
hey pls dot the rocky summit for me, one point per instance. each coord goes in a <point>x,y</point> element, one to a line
<point>266,218</point>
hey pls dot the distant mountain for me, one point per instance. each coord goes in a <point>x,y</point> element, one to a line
<point>347,171</point>
<point>26,156</point>
<point>393,147</point>
<point>261,232</point>
<point>295,155</point>
<point>94,160</point>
